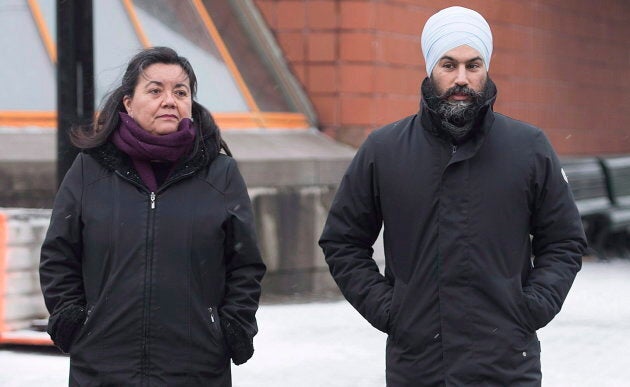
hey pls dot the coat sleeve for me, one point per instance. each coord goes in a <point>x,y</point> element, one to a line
<point>353,224</point>
<point>60,261</point>
<point>244,270</point>
<point>558,241</point>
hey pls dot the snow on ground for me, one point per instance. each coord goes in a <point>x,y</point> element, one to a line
<point>329,344</point>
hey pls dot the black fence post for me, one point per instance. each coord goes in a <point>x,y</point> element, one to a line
<point>75,76</point>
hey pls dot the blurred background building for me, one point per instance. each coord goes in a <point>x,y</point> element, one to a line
<point>562,65</point>
<point>296,86</point>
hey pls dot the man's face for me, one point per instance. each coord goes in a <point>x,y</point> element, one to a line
<point>457,73</point>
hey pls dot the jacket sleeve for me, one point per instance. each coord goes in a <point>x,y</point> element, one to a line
<point>244,270</point>
<point>558,241</point>
<point>60,261</point>
<point>353,224</point>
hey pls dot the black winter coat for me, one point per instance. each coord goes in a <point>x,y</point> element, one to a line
<point>156,289</point>
<point>461,298</point>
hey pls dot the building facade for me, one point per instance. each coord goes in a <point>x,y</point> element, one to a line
<point>561,65</point>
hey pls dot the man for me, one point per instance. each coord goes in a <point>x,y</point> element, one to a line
<point>459,190</point>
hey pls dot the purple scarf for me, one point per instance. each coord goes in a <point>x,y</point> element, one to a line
<point>144,147</point>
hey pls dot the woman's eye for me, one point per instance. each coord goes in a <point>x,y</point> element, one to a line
<point>181,93</point>
<point>154,91</point>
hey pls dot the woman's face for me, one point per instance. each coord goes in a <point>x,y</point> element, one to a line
<point>160,99</point>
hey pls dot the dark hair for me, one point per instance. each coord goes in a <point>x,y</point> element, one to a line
<point>108,120</point>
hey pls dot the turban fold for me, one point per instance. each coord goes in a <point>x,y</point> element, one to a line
<point>453,27</point>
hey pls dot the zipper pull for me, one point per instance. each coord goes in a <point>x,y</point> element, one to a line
<point>152,200</point>
<point>211,315</point>
<point>87,316</point>
<point>454,149</point>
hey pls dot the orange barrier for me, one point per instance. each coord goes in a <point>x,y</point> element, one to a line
<point>48,119</point>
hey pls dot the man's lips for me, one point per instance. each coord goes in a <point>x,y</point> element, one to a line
<point>459,97</point>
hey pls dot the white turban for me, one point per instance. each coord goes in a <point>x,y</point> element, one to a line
<point>453,27</point>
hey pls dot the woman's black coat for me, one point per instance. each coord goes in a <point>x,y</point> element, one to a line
<point>152,288</point>
<point>461,299</point>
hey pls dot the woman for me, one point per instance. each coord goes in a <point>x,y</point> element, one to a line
<point>150,268</point>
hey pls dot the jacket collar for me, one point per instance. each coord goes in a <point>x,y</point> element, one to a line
<point>431,120</point>
<point>113,159</point>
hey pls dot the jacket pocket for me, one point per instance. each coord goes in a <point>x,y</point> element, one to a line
<point>397,295</point>
<point>84,330</point>
<point>516,302</point>
<point>83,327</point>
<point>214,322</point>
<point>528,321</point>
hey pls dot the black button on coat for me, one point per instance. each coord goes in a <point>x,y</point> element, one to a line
<point>152,290</point>
<point>460,299</point>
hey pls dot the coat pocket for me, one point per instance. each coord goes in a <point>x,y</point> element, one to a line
<point>84,327</point>
<point>214,322</point>
<point>394,310</point>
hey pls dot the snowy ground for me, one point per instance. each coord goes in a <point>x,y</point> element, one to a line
<point>328,344</point>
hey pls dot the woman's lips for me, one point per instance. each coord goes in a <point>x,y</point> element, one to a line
<point>168,116</point>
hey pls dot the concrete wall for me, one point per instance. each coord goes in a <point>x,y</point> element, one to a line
<point>21,234</point>
<point>289,222</point>
<point>561,65</point>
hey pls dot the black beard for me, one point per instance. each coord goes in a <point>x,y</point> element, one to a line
<point>457,116</point>
<point>459,113</point>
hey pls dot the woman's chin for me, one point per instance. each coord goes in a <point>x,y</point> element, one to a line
<point>161,131</point>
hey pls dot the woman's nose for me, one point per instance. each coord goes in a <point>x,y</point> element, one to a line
<point>168,100</point>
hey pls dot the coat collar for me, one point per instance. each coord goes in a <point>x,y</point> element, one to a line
<point>113,159</point>
<point>431,120</point>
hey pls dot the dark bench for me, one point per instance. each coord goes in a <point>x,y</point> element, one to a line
<point>588,183</point>
<point>617,171</point>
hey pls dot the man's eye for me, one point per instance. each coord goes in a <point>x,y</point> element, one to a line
<point>474,66</point>
<point>448,65</point>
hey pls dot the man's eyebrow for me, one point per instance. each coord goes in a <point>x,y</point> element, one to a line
<point>446,57</point>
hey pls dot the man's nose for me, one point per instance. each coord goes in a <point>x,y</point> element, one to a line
<point>462,76</point>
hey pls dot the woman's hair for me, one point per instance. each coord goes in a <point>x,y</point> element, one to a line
<point>108,119</point>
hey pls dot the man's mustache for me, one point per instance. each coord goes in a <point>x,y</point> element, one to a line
<point>457,89</point>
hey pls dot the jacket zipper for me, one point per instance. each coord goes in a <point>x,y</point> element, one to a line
<point>144,371</point>
<point>214,323</point>
<point>454,149</point>
<point>144,361</point>
<point>148,267</point>
<point>87,316</point>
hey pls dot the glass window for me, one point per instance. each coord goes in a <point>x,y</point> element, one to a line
<point>234,80</point>
<point>269,97</point>
<point>115,43</point>
<point>27,75</point>
<point>48,11</point>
